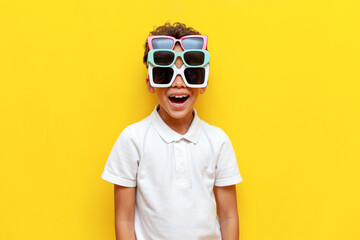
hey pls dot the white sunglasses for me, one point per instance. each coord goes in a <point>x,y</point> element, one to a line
<point>163,77</point>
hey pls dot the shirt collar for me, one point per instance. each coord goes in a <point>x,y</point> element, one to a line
<point>170,135</point>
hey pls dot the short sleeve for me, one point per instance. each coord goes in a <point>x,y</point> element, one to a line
<point>122,164</point>
<point>227,170</point>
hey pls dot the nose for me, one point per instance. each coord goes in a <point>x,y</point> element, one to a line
<point>178,62</point>
<point>178,82</point>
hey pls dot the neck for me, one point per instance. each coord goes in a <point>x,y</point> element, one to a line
<point>179,125</point>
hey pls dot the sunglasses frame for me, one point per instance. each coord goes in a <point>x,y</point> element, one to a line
<point>204,37</point>
<point>178,71</point>
<point>178,54</point>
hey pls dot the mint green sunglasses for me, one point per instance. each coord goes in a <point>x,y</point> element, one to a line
<point>167,57</point>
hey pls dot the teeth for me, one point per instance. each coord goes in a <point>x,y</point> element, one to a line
<point>177,96</point>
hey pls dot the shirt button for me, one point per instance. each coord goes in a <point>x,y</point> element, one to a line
<point>179,154</point>
<point>181,168</point>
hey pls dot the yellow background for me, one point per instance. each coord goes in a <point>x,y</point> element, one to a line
<point>284,85</point>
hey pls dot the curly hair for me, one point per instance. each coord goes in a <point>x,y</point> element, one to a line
<point>176,30</point>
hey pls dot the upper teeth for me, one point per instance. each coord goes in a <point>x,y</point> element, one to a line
<point>178,96</point>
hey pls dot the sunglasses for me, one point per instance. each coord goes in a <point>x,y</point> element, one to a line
<point>186,42</point>
<point>163,77</point>
<point>190,58</point>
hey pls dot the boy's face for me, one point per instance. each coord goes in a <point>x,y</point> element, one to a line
<point>177,101</point>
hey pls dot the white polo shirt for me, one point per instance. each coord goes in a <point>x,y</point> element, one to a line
<point>174,175</point>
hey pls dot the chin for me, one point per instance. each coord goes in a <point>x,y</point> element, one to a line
<point>176,112</point>
<point>180,115</point>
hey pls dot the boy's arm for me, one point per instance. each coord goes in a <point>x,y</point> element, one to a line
<point>124,212</point>
<point>228,214</point>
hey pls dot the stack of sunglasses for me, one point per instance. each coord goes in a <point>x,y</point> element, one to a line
<point>162,57</point>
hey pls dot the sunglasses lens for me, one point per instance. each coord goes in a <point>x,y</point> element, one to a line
<point>194,58</point>
<point>193,43</point>
<point>195,75</point>
<point>162,43</point>
<point>163,58</point>
<point>162,75</point>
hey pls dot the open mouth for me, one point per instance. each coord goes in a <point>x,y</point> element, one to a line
<point>179,99</point>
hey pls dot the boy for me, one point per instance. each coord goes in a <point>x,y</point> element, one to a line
<point>166,167</point>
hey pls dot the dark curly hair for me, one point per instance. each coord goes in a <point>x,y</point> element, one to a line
<point>176,30</point>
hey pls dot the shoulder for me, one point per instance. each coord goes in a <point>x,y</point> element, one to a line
<point>137,128</point>
<point>140,124</point>
<point>133,133</point>
<point>213,132</point>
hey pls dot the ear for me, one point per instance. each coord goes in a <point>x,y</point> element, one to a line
<point>149,87</point>
<point>202,90</point>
